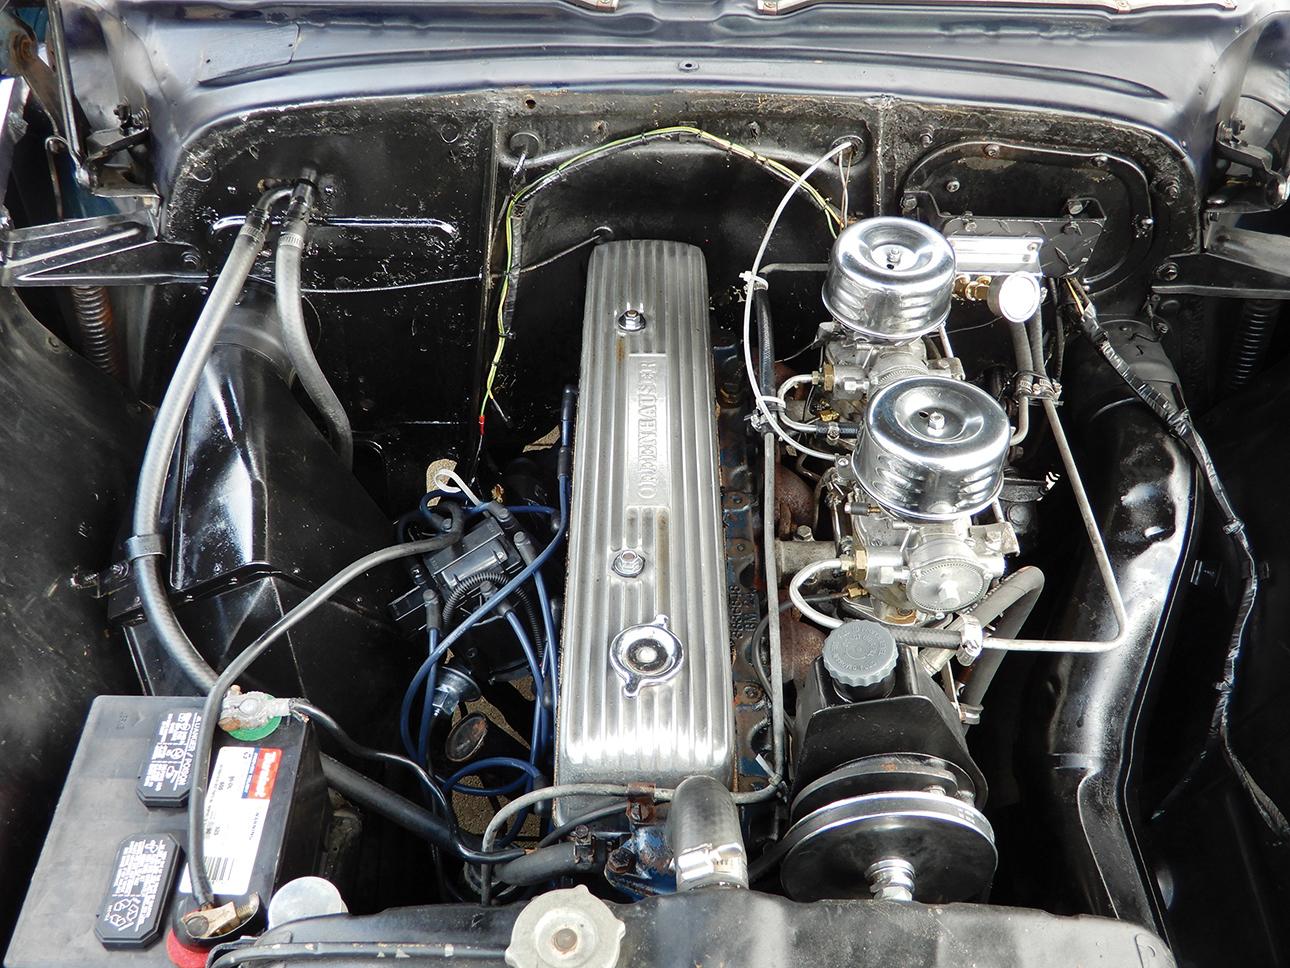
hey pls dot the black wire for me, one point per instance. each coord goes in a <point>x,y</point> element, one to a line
<point>1179,422</point>
<point>591,816</point>
<point>473,583</point>
<point>354,748</point>
<point>203,895</point>
<point>444,281</point>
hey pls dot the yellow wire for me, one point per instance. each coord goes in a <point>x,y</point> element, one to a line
<point>835,220</point>
<point>1081,303</point>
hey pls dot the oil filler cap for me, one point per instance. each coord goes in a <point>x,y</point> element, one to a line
<point>566,929</point>
<point>860,653</point>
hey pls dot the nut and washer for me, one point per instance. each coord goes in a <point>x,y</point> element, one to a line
<point>628,563</point>
<point>631,321</point>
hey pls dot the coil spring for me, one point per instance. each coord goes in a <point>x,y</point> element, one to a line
<point>96,329</point>
<point>1258,322</point>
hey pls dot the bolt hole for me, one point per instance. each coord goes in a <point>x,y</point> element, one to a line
<point>530,103</point>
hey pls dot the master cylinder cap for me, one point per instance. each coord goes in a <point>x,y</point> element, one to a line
<point>860,654</point>
<point>890,279</point>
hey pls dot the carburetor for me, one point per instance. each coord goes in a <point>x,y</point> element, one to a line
<point>929,448</point>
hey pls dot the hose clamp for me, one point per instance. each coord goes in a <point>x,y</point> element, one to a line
<point>973,640</point>
<point>144,546</point>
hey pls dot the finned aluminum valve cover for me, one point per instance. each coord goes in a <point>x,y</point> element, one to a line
<point>645,681</point>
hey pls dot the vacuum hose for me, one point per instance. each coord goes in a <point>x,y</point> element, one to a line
<point>147,546</point>
<point>291,244</point>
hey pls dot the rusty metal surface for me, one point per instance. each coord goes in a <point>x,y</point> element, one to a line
<point>800,644</point>
<point>795,505</point>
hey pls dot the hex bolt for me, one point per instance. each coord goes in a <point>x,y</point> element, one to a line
<point>992,151</point>
<point>1167,272</point>
<point>891,880</point>
<point>952,185</point>
<point>619,860</point>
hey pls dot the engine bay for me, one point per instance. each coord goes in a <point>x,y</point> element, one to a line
<point>574,528</point>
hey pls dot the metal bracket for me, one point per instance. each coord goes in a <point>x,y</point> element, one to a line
<point>108,250</point>
<point>102,584</point>
<point>1237,263</point>
<point>973,640</point>
<point>1076,229</point>
<point>1269,187</point>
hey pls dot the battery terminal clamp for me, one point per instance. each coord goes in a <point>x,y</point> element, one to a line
<point>250,716</point>
<point>207,925</point>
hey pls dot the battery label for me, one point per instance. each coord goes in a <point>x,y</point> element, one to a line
<point>131,913</point>
<point>237,804</point>
<point>167,773</point>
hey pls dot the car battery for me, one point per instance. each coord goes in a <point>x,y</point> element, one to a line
<point>111,876</point>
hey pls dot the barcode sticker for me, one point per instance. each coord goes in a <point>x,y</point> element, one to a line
<point>237,804</point>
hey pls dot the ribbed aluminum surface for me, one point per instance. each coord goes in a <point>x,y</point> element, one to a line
<point>645,479</point>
